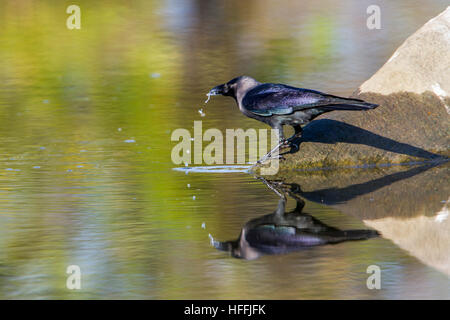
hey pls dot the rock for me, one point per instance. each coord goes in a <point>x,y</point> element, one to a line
<point>420,64</point>
<point>412,121</point>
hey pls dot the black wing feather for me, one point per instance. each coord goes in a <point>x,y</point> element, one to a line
<point>277,99</point>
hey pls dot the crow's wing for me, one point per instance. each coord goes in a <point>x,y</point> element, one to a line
<point>278,99</point>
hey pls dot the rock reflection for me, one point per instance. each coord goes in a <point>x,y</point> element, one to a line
<point>408,205</point>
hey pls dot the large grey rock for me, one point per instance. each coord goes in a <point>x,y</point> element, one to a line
<point>412,121</point>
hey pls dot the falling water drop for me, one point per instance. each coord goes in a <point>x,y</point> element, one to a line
<point>209,97</point>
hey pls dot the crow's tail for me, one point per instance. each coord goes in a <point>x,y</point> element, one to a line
<point>360,234</point>
<point>336,236</point>
<point>340,103</point>
<point>359,106</point>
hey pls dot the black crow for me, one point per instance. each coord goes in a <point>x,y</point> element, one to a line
<point>280,104</point>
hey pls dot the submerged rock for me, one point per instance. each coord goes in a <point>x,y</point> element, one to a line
<point>413,119</point>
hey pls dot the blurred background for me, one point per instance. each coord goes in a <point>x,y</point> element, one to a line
<point>85,122</point>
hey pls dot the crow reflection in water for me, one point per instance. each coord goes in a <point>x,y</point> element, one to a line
<point>283,232</point>
<point>279,104</point>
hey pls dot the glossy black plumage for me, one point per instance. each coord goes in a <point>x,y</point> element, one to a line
<point>279,104</point>
<point>278,99</point>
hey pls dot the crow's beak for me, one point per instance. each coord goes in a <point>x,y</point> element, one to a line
<point>216,90</point>
<point>222,246</point>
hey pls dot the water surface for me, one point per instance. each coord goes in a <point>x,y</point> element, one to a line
<point>86,176</point>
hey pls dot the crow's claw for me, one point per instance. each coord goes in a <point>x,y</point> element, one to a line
<point>294,147</point>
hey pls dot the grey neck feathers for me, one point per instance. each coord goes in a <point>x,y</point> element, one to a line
<point>245,86</point>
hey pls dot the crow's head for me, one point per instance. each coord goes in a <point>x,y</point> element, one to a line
<point>234,88</point>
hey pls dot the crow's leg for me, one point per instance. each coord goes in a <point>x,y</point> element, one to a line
<point>300,205</point>
<point>282,141</point>
<point>269,154</point>
<point>298,133</point>
<point>274,186</point>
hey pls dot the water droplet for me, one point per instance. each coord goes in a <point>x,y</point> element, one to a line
<point>211,239</point>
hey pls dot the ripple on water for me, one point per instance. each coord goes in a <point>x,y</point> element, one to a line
<point>214,169</point>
